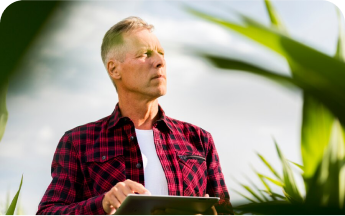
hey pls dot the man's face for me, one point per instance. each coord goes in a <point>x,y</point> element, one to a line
<point>143,70</point>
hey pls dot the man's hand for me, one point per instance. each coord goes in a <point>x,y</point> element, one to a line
<point>168,211</point>
<point>113,198</point>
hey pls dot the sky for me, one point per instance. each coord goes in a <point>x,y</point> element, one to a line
<point>62,83</point>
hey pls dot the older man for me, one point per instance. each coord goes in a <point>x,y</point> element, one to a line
<point>137,149</point>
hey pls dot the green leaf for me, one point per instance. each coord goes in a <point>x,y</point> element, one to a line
<point>340,53</point>
<point>274,194</point>
<point>246,197</point>
<point>327,185</point>
<point>276,182</point>
<point>233,64</point>
<point>290,186</point>
<point>319,75</point>
<point>275,20</point>
<point>298,165</point>
<point>322,76</point>
<point>10,210</point>
<point>270,167</point>
<point>3,109</point>
<point>315,133</point>
<point>252,29</point>
<point>252,192</point>
<point>262,180</point>
<point>257,188</point>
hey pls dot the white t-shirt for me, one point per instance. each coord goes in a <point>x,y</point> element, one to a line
<point>155,180</point>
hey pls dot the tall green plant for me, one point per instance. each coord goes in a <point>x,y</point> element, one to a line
<point>12,207</point>
<point>321,77</point>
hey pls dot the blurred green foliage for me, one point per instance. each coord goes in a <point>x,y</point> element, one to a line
<point>20,23</point>
<point>321,77</point>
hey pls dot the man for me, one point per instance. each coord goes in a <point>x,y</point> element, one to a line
<point>137,149</point>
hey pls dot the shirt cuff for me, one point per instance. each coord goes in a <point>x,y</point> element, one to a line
<point>96,207</point>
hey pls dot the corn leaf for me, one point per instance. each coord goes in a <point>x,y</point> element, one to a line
<point>317,74</point>
<point>252,192</point>
<point>270,167</point>
<point>3,109</point>
<point>257,188</point>
<point>340,53</point>
<point>315,134</point>
<point>276,182</point>
<point>274,194</point>
<point>252,29</point>
<point>296,164</point>
<point>329,173</point>
<point>275,19</point>
<point>262,179</point>
<point>323,75</point>
<point>246,197</point>
<point>290,186</point>
<point>10,210</point>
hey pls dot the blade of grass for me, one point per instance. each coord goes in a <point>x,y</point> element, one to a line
<point>270,167</point>
<point>274,17</point>
<point>290,186</point>
<point>10,210</point>
<point>340,53</point>
<point>252,192</point>
<point>244,196</point>
<point>276,182</point>
<point>298,165</point>
<point>257,188</point>
<point>274,194</point>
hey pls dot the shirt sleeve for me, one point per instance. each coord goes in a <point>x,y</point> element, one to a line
<point>63,193</point>
<point>215,180</point>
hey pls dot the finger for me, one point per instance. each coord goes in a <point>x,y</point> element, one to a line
<point>137,187</point>
<point>206,195</point>
<point>114,201</point>
<point>120,196</point>
<point>126,190</point>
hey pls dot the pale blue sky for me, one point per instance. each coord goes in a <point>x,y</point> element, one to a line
<point>62,84</point>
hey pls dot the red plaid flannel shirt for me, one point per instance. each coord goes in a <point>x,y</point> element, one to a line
<point>92,158</point>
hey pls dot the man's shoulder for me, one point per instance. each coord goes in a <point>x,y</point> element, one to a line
<point>91,127</point>
<point>186,127</point>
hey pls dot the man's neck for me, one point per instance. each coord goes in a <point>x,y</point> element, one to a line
<point>142,113</point>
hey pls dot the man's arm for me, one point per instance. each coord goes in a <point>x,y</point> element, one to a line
<point>63,195</point>
<point>215,180</point>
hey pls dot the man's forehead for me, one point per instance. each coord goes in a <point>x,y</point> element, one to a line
<point>141,39</point>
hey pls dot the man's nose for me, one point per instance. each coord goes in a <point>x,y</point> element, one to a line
<point>159,61</point>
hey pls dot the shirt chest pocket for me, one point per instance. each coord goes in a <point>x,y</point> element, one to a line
<point>104,172</point>
<point>194,173</point>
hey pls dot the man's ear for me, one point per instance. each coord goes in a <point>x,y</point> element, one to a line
<point>112,68</point>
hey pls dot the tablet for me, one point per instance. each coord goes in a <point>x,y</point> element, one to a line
<point>137,204</point>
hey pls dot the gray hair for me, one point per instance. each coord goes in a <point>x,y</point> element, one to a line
<point>113,39</point>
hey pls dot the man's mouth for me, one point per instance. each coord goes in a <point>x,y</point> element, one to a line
<point>159,77</point>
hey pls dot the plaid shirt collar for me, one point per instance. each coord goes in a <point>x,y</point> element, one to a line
<point>116,118</point>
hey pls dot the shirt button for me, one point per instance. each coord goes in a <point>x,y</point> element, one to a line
<point>132,138</point>
<point>138,165</point>
<point>104,157</point>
